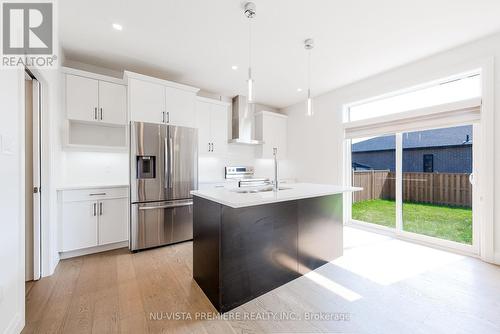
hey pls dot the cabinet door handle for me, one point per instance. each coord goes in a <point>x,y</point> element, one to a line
<point>163,117</point>
<point>95,113</point>
<point>97,194</point>
<point>101,113</point>
<point>100,208</point>
<point>208,147</point>
<point>95,209</point>
<point>168,116</point>
<point>212,147</point>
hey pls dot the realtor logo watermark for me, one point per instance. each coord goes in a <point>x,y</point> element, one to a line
<point>28,34</point>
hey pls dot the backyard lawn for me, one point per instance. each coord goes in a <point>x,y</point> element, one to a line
<point>451,223</point>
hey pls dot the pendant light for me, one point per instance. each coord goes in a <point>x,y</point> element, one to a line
<point>309,45</point>
<point>250,12</point>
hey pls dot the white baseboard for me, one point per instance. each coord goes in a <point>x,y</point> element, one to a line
<point>92,250</point>
<point>496,258</point>
<point>15,326</point>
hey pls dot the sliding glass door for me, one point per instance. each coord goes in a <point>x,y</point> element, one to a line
<point>418,183</point>
<point>373,169</point>
<point>437,166</point>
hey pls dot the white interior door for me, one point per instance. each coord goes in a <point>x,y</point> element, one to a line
<point>37,170</point>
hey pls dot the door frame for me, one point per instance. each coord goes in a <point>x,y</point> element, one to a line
<point>37,174</point>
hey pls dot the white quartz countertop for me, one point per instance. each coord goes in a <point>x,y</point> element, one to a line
<point>294,191</point>
<point>91,186</point>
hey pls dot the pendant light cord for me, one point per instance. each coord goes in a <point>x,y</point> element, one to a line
<point>249,48</point>
<point>309,73</point>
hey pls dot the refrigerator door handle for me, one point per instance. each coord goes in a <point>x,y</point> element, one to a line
<point>166,206</point>
<point>170,161</point>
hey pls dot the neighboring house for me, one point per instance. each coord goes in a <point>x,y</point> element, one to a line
<point>446,150</point>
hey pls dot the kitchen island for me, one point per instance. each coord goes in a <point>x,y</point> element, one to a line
<point>248,243</point>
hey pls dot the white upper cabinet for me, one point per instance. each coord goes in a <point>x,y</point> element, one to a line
<point>82,98</point>
<point>94,100</point>
<point>272,129</point>
<point>219,126</point>
<point>147,101</point>
<point>212,123</point>
<point>160,101</point>
<point>203,126</point>
<point>112,103</point>
<point>180,107</point>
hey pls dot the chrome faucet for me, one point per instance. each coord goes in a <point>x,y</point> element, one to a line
<point>275,155</point>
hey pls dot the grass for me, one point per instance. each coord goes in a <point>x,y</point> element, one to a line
<point>450,223</point>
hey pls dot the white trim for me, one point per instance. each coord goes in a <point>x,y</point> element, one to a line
<point>425,240</point>
<point>496,258</point>
<point>90,75</point>
<point>22,196</point>
<point>92,250</point>
<point>441,79</point>
<point>270,113</point>
<point>486,178</point>
<point>15,326</point>
<point>213,101</point>
<point>131,75</point>
<point>462,112</point>
<point>399,181</point>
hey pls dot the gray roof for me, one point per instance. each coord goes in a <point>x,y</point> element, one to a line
<point>430,138</point>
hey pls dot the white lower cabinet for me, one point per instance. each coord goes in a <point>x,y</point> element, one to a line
<point>93,217</point>
<point>112,214</point>
<point>79,225</point>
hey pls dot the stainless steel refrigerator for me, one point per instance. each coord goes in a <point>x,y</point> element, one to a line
<point>163,171</point>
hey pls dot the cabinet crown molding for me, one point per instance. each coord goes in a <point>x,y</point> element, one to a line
<point>132,75</point>
<point>91,75</point>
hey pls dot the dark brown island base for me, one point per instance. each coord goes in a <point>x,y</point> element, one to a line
<point>240,253</point>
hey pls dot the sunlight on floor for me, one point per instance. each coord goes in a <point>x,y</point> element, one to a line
<point>386,260</point>
<point>336,288</point>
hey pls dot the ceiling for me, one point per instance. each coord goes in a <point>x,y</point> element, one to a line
<point>197,41</point>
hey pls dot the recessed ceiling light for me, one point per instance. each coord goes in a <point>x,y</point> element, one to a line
<point>234,67</point>
<point>299,90</point>
<point>117,26</point>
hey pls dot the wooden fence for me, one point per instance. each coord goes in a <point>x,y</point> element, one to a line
<point>453,189</point>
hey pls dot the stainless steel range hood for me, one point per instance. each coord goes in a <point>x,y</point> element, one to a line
<point>243,122</point>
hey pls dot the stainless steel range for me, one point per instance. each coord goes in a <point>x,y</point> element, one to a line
<point>245,176</point>
<point>163,171</point>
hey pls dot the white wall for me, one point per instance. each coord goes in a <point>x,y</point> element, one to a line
<point>12,200</point>
<point>94,168</point>
<point>315,143</point>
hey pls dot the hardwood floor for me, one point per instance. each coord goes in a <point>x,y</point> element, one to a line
<point>380,285</point>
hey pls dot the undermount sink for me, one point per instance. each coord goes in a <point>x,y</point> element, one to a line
<point>259,190</point>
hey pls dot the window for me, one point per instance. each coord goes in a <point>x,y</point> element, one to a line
<point>428,163</point>
<point>464,87</point>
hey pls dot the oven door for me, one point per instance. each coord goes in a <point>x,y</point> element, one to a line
<point>160,223</point>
